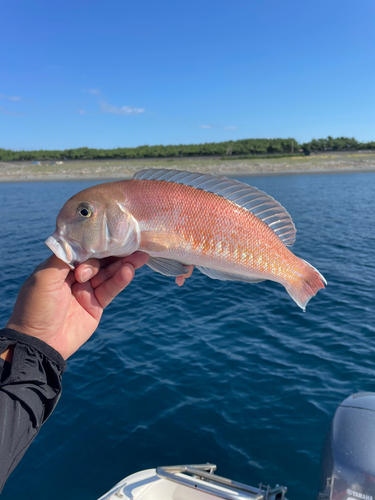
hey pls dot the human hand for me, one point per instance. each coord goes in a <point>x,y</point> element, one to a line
<point>63,307</point>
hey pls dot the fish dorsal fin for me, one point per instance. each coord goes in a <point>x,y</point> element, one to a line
<point>250,198</point>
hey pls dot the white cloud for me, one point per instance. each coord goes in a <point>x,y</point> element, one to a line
<point>94,91</point>
<point>81,111</point>
<point>218,127</point>
<point>14,98</point>
<point>116,110</point>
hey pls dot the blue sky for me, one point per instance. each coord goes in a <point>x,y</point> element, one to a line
<point>115,73</point>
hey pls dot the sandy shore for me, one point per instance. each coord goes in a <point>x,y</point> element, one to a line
<point>122,169</point>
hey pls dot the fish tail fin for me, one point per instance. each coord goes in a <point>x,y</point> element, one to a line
<point>306,285</point>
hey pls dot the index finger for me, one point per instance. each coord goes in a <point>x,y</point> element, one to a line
<point>112,279</point>
<point>92,267</point>
<point>137,260</point>
<point>87,270</point>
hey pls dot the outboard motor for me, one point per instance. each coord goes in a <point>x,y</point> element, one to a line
<point>348,457</point>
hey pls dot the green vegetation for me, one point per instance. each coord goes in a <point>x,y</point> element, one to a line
<point>232,149</point>
<point>338,144</point>
<point>242,147</point>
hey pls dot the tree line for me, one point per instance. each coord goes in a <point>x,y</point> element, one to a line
<point>244,147</point>
<point>338,144</point>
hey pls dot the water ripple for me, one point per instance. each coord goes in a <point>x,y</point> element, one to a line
<point>226,372</point>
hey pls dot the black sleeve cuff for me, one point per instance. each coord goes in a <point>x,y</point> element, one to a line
<point>9,337</point>
<point>35,366</point>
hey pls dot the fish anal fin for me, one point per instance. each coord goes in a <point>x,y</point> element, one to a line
<point>223,276</point>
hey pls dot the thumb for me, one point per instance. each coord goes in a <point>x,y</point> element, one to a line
<point>52,270</point>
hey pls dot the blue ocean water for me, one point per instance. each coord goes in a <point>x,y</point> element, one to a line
<point>231,373</point>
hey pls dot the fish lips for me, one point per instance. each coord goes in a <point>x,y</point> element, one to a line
<point>64,251</point>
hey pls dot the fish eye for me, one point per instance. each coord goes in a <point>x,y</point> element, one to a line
<point>85,211</point>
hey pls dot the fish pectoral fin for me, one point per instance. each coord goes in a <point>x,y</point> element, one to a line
<point>167,267</point>
<point>220,275</point>
<point>159,241</point>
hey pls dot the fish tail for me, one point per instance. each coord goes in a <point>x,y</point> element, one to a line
<point>306,285</point>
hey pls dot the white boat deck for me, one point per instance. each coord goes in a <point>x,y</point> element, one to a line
<point>188,482</point>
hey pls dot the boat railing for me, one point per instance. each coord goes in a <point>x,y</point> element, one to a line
<point>201,477</point>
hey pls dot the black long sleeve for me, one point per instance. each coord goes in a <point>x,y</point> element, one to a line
<point>30,388</point>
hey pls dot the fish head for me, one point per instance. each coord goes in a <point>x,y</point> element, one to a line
<point>93,223</point>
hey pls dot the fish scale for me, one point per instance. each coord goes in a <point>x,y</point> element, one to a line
<point>210,223</point>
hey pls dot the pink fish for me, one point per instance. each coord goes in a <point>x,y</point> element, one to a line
<point>227,229</point>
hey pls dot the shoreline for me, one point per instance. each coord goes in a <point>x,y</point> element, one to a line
<point>99,170</point>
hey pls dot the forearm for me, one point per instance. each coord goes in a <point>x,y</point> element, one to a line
<point>30,387</point>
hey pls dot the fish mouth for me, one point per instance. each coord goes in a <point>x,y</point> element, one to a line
<point>63,250</point>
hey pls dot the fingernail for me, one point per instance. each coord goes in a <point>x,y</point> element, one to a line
<point>86,274</point>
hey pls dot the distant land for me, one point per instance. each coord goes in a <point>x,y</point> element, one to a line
<point>320,162</point>
<point>227,149</point>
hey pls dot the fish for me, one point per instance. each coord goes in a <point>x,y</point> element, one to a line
<point>228,230</point>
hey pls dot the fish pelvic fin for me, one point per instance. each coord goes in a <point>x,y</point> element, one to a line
<point>305,286</point>
<point>167,267</point>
